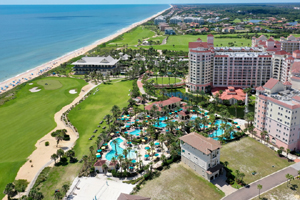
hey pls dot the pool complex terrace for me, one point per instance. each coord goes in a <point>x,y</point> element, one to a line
<point>119,150</point>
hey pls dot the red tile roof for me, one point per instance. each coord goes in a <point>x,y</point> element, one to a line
<point>295,67</point>
<point>271,83</point>
<point>203,144</point>
<point>264,56</point>
<point>209,35</point>
<point>221,56</point>
<point>290,58</point>
<point>198,44</point>
<point>113,163</point>
<point>260,88</point>
<point>282,52</point>
<point>287,83</point>
<point>297,98</point>
<point>296,51</point>
<point>100,163</point>
<point>182,113</point>
<point>237,94</point>
<point>169,101</point>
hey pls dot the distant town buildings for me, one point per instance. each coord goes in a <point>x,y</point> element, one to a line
<point>202,154</point>
<point>176,20</point>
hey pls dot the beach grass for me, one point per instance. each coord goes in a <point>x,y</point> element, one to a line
<point>165,80</point>
<point>180,182</point>
<point>248,155</point>
<point>50,84</point>
<point>28,118</point>
<point>131,38</point>
<point>85,117</point>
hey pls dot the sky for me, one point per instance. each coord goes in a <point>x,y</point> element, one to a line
<point>30,2</point>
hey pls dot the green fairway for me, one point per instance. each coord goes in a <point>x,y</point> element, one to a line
<point>181,42</point>
<point>131,38</point>
<point>50,84</point>
<point>248,155</point>
<point>85,117</point>
<point>26,119</point>
<point>237,20</point>
<point>159,38</point>
<point>165,80</point>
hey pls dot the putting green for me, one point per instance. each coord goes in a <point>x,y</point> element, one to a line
<point>50,84</point>
<point>26,119</point>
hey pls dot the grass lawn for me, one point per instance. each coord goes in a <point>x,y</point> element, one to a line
<point>283,192</point>
<point>158,38</point>
<point>85,117</point>
<point>237,20</point>
<point>181,42</point>
<point>180,182</point>
<point>26,119</point>
<point>248,155</point>
<point>131,38</point>
<point>165,80</point>
<point>50,84</point>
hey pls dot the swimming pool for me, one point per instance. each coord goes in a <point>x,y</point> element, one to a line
<point>136,132</point>
<point>193,117</point>
<point>219,131</point>
<point>112,153</point>
<point>162,124</point>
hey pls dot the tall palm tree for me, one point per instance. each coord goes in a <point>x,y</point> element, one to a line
<point>59,137</point>
<point>54,157</point>
<point>125,153</point>
<point>259,187</point>
<point>120,158</point>
<point>115,142</point>
<point>108,119</point>
<point>91,149</point>
<point>105,168</point>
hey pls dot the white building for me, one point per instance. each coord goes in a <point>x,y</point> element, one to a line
<point>201,154</point>
<point>159,19</point>
<point>105,65</point>
<point>188,19</point>
<point>199,20</point>
<point>175,19</point>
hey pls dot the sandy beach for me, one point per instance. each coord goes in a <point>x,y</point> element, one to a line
<point>35,72</point>
<point>41,156</point>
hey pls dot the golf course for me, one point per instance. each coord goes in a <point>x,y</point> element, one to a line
<point>27,118</point>
<point>86,117</point>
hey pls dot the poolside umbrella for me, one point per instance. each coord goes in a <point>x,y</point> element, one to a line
<point>128,142</point>
<point>133,161</point>
<point>123,127</point>
<point>154,157</point>
<point>127,126</point>
<point>146,121</point>
<point>117,131</point>
<point>137,120</point>
<point>176,111</point>
<point>135,167</point>
<point>98,156</point>
<point>157,154</point>
<point>146,156</point>
<point>103,147</point>
<point>99,150</point>
<point>156,143</point>
<point>128,115</point>
<point>126,132</point>
<point>122,119</point>
<point>105,144</point>
<point>137,134</point>
<point>130,167</point>
<point>147,148</point>
<point>238,127</point>
<point>112,134</point>
<point>235,122</point>
<point>143,140</point>
<point>153,151</point>
<point>172,112</point>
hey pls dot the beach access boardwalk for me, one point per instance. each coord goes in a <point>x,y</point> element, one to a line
<point>269,182</point>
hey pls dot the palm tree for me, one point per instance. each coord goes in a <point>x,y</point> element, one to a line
<point>115,142</point>
<point>114,160</point>
<point>108,119</point>
<point>59,137</point>
<point>287,153</point>
<point>91,149</point>
<point>70,153</point>
<point>226,163</point>
<point>60,153</point>
<point>289,177</point>
<point>9,190</point>
<point>125,153</point>
<point>65,188</point>
<point>54,157</point>
<point>58,195</point>
<point>259,187</point>
<point>120,157</point>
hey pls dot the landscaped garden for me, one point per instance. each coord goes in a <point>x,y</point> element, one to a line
<point>165,80</point>
<point>252,158</point>
<point>180,182</point>
<point>27,118</point>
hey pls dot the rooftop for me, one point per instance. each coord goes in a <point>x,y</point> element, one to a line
<point>203,144</point>
<point>96,61</point>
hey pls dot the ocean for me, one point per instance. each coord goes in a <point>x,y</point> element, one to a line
<point>35,34</point>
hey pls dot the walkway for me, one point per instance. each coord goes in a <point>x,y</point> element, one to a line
<point>221,183</point>
<point>268,183</point>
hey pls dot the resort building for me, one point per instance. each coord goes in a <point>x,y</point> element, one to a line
<point>159,19</point>
<point>162,26</point>
<point>176,20</point>
<point>277,111</point>
<point>105,65</point>
<point>188,19</point>
<point>241,67</point>
<point>231,94</point>
<point>201,154</point>
<point>172,103</point>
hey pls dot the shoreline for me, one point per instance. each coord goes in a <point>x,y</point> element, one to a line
<point>30,74</point>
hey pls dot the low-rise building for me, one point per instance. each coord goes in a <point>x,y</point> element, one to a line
<point>228,30</point>
<point>162,26</point>
<point>105,65</point>
<point>201,154</point>
<point>231,94</point>
<point>169,31</point>
<point>172,103</point>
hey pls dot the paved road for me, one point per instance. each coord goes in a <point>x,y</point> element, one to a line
<point>268,182</point>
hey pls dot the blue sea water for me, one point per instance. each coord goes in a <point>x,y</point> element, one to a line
<point>34,34</point>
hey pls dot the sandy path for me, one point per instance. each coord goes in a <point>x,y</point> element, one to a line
<point>30,74</point>
<point>41,155</point>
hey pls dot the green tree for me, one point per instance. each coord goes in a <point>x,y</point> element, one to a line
<point>54,157</point>
<point>58,195</point>
<point>115,142</point>
<point>9,190</point>
<point>259,187</point>
<point>65,188</point>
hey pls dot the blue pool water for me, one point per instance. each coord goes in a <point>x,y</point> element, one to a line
<point>193,117</point>
<point>112,153</point>
<point>162,124</point>
<point>136,132</point>
<point>163,118</point>
<point>219,131</point>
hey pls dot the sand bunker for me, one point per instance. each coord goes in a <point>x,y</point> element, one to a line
<point>30,84</point>
<point>35,89</point>
<point>72,92</point>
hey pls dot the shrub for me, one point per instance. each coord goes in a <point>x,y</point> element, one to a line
<point>47,143</point>
<point>20,185</point>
